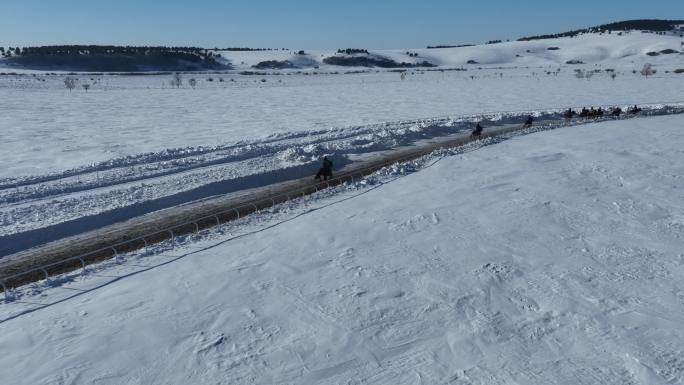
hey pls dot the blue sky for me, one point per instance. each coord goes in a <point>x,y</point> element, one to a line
<point>306,23</point>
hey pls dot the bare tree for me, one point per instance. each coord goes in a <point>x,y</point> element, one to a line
<point>192,82</point>
<point>177,80</point>
<point>647,70</point>
<point>70,83</point>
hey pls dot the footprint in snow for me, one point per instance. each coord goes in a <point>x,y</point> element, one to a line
<point>348,252</point>
<point>213,343</point>
<point>502,272</point>
<point>416,223</point>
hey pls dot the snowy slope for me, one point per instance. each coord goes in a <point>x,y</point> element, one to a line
<point>592,48</point>
<point>609,50</point>
<point>615,50</point>
<point>551,258</point>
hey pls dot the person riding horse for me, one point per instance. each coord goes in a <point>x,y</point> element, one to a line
<point>477,132</point>
<point>326,170</point>
<point>528,121</point>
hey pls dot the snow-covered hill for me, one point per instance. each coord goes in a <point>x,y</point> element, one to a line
<point>617,49</point>
<point>552,258</point>
<point>621,50</point>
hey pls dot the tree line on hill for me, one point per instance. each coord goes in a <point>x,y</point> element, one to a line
<point>352,51</point>
<point>450,46</point>
<point>237,49</point>
<point>654,25</point>
<point>114,58</point>
<point>651,25</point>
<point>104,50</point>
<point>10,51</point>
<point>372,61</point>
<point>112,50</point>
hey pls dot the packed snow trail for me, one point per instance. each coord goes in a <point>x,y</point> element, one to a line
<point>554,258</point>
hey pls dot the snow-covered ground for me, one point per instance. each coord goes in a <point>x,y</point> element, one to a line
<point>48,129</point>
<point>131,140</point>
<point>549,258</point>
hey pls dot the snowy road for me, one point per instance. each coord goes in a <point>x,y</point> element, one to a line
<point>552,258</point>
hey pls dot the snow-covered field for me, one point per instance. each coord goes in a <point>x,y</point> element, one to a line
<point>549,258</point>
<point>48,129</point>
<point>131,140</point>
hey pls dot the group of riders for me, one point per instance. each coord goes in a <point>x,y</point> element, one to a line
<point>569,114</point>
<point>592,113</point>
<point>325,171</point>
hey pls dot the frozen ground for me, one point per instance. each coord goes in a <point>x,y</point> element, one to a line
<point>550,258</point>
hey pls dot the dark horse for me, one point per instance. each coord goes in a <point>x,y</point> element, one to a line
<point>326,170</point>
<point>477,132</point>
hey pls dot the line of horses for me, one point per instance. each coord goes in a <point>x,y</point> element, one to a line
<point>569,114</point>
